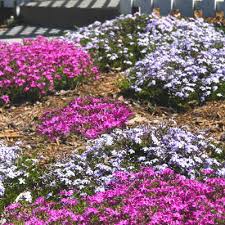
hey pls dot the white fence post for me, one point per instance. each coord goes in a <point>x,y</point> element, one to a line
<point>186,7</point>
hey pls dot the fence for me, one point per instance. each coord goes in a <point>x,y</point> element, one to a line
<point>186,7</point>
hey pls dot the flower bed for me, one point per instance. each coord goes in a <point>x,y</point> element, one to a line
<point>126,150</point>
<point>87,116</point>
<point>137,175</point>
<point>123,150</point>
<point>188,67</point>
<point>181,74</point>
<point>41,66</point>
<point>146,197</point>
<point>115,44</point>
<point>177,62</point>
<point>121,42</point>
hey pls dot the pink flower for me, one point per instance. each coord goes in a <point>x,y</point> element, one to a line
<point>40,66</point>
<point>66,193</point>
<point>145,197</point>
<point>68,201</point>
<point>13,206</point>
<point>87,116</point>
<point>39,201</point>
<point>207,171</point>
<point>5,99</point>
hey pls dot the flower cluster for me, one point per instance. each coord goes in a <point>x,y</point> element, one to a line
<point>21,178</point>
<point>8,168</point>
<point>145,197</point>
<point>117,43</point>
<point>176,61</point>
<point>187,67</point>
<point>87,116</point>
<point>121,42</point>
<point>39,66</point>
<point>128,150</point>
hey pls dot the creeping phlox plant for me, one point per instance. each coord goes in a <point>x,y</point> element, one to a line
<point>121,42</point>
<point>127,150</point>
<point>117,43</point>
<point>8,168</point>
<point>145,197</point>
<point>188,68</point>
<point>87,116</point>
<point>18,175</point>
<point>39,66</point>
<point>176,61</point>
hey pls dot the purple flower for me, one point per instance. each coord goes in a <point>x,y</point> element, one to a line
<point>87,116</point>
<point>5,99</point>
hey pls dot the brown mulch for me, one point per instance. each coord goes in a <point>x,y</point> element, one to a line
<point>18,123</point>
<point>209,118</point>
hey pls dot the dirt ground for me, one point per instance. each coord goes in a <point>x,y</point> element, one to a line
<point>18,123</point>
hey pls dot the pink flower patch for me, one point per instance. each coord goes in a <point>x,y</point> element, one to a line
<point>87,116</point>
<point>39,66</point>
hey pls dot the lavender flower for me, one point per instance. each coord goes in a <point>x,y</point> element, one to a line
<point>125,150</point>
<point>187,66</point>
<point>176,61</point>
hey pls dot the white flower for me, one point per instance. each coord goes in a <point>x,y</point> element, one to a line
<point>21,181</point>
<point>142,158</point>
<point>24,196</point>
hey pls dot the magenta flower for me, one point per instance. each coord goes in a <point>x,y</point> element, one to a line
<point>41,66</point>
<point>145,197</point>
<point>87,116</point>
<point>66,193</point>
<point>13,206</point>
<point>5,99</point>
<point>69,202</point>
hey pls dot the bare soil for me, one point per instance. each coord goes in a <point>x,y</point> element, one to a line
<point>18,123</point>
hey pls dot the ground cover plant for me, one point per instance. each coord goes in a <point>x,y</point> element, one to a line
<point>145,197</point>
<point>18,175</point>
<point>121,42</point>
<point>115,44</point>
<point>177,62</point>
<point>128,150</point>
<point>181,73</point>
<point>87,116</point>
<point>123,150</point>
<point>133,170</point>
<point>189,70</point>
<point>41,66</point>
<point>8,169</point>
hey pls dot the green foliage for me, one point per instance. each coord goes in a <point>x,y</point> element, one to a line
<point>29,180</point>
<point>115,44</point>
